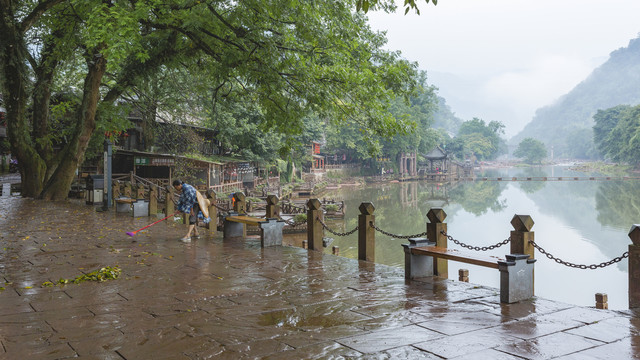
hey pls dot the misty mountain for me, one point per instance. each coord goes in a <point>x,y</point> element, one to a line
<point>444,118</point>
<point>566,125</point>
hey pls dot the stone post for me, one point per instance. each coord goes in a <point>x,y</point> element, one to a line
<point>153,200</point>
<point>634,267</point>
<point>366,233</point>
<point>463,275</point>
<point>240,203</point>
<point>169,206</point>
<point>115,190</point>
<point>417,266</point>
<point>273,211</point>
<point>516,278</point>
<point>140,191</point>
<point>315,231</point>
<point>435,227</point>
<point>213,210</point>
<point>602,301</point>
<point>521,236</point>
<point>127,190</point>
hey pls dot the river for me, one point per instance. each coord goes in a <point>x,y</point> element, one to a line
<point>581,222</point>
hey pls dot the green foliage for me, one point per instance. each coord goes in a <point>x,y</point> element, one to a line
<point>300,218</point>
<point>366,5</point>
<point>613,83</point>
<point>616,133</point>
<point>444,118</point>
<point>477,138</point>
<point>104,274</point>
<point>531,150</point>
<point>331,207</point>
<point>254,69</point>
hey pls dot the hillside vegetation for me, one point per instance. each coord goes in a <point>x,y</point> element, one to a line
<point>567,125</point>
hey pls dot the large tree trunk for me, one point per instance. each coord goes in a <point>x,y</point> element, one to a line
<point>16,77</point>
<point>57,188</point>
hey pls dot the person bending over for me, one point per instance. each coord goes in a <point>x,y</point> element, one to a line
<point>188,204</point>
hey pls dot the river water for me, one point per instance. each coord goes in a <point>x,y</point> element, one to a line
<point>582,222</point>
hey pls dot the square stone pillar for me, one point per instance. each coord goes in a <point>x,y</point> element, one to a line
<point>516,278</point>
<point>416,266</point>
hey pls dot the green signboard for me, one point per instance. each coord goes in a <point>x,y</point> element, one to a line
<point>141,160</point>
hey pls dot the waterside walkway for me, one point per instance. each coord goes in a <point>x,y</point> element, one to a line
<point>234,300</point>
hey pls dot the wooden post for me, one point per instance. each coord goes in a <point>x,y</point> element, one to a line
<point>366,233</point>
<point>115,191</point>
<point>153,200</point>
<point>213,210</point>
<point>140,191</point>
<point>435,227</point>
<point>336,251</point>
<point>634,267</point>
<point>522,236</point>
<point>127,189</point>
<point>602,301</point>
<point>169,206</point>
<point>273,210</point>
<point>315,231</point>
<point>463,275</point>
<point>240,203</point>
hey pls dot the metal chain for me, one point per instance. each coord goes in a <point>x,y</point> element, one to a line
<point>336,233</point>
<point>291,222</point>
<point>395,235</point>
<point>476,248</point>
<point>579,266</point>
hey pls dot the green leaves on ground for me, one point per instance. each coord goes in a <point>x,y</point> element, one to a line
<point>104,274</point>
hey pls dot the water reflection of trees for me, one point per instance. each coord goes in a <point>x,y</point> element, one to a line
<point>618,203</point>
<point>478,197</point>
<point>532,186</point>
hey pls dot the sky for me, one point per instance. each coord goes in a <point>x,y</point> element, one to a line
<point>503,59</point>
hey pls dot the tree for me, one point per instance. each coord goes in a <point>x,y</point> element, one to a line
<point>288,57</point>
<point>366,5</point>
<point>479,138</point>
<point>531,150</point>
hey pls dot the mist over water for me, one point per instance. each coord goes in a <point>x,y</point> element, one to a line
<point>581,222</point>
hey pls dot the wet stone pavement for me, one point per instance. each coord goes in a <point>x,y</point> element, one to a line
<point>215,299</point>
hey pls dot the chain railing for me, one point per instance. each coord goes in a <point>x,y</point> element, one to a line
<point>542,251</point>
<point>476,248</point>
<point>334,232</point>
<point>395,235</point>
<point>579,266</point>
<point>292,223</point>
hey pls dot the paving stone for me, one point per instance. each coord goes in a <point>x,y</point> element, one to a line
<point>324,350</point>
<point>388,339</point>
<point>627,348</point>
<point>466,343</point>
<point>549,346</point>
<point>230,300</point>
<point>608,330</point>
<point>457,322</point>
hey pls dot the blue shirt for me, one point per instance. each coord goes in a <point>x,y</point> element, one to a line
<point>187,198</point>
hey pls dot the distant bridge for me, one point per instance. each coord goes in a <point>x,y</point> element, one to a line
<point>546,178</point>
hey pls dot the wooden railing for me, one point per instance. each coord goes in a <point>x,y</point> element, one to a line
<point>228,187</point>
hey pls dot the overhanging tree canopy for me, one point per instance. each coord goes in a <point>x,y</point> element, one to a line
<point>288,56</point>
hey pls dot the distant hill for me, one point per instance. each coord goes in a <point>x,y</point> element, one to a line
<point>567,124</point>
<point>445,118</point>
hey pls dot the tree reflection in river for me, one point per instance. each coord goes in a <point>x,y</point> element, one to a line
<point>584,222</point>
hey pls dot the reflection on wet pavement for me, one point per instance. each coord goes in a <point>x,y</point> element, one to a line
<point>234,300</point>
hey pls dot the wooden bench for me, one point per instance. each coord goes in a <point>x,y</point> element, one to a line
<point>138,207</point>
<point>270,229</point>
<point>516,272</point>
<point>455,255</point>
<point>248,220</point>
